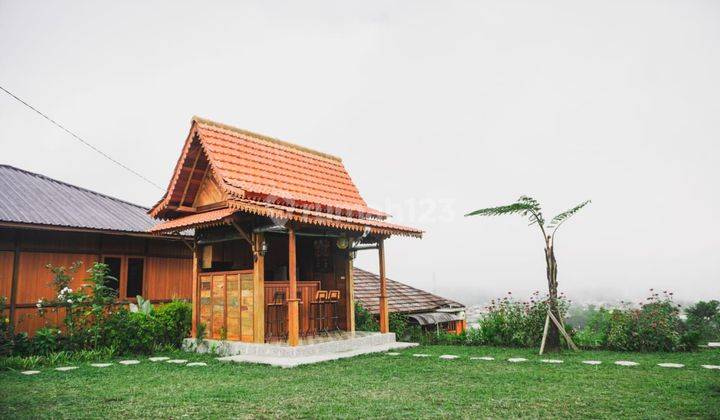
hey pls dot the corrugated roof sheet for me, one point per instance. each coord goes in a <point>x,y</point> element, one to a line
<point>401,297</point>
<point>27,197</point>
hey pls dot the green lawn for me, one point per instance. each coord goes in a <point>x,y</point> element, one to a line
<point>378,386</point>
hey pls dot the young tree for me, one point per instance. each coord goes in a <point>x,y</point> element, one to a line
<point>529,207</point>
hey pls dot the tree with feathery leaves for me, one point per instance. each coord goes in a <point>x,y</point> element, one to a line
<point>529,207</point>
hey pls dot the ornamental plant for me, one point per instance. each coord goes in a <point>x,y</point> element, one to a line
<point>86,308</point>
<point>529,207</point>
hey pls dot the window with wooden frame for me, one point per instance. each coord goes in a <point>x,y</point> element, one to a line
<point>130,274</point>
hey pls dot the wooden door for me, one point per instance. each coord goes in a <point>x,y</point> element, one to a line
<point>227,304</point>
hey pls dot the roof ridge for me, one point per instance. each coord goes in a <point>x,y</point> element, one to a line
<point>47,178</point>
<point>259,136</point>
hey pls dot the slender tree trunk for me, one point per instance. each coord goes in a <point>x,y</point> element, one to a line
<point>553,338</point>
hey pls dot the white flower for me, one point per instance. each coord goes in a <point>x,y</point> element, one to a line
<point>69,301</point>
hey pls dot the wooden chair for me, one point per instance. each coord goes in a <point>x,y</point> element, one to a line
<point>334,300</point>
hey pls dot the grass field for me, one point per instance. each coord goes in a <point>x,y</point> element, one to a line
<point>377,386</point>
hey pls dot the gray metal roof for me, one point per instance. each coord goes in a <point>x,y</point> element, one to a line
<point>401,297</point>
<point>27,197</point>
<point>431,318</point>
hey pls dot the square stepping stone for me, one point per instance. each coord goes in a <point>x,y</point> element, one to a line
<point>30,372</point>
<point>177,361</point>
<point>626,363</point>
<point>158,359</point>
<point>421,355</point>
<point>197,364</point>
<point>671,365</point>
<point>556,361</point>
<point>129,362</point>
<point>66,368</point>
<point>592,362</point>
<point>100,365</point>
<point>482,358</point>
<point>711,366</point>
<point>517,359</point>
<point>392,353</point>
<point>448,357</point>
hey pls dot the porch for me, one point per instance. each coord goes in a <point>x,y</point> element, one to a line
<point>247,291</point>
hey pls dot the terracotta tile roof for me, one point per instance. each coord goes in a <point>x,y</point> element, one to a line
<point>401,297</point>
<point>199,220</point>
<point>256,167</point>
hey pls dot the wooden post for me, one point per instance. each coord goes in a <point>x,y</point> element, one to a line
<point>195,290</point>
<point>350,292</point>
<point>14,281</point>
<point>293,310</point>
<point>384,315</point>
<point>258,288</point>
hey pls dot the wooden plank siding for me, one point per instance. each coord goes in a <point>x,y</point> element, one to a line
<point>167,267</point>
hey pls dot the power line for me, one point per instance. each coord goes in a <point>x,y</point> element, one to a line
<point>139,175</point>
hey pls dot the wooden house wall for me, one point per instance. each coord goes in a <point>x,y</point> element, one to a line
<point>167,275</point>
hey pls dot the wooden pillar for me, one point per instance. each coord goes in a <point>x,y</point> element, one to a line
<point>258,289</point>
<point>350,291</point>
<point>293,310</point>
<point>14,281</point>
<point>384,315</point>
<point>195,290</point>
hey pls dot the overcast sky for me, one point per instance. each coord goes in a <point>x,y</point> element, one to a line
<point>437,108</point>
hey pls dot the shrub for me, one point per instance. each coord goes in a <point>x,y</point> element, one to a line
<point>175,319</point>
<point>703,319</point>
<point>517,324</point>
<point>364,320</point>
<point>47,340</point>
<point>596,329</point>
<point>654,326</point>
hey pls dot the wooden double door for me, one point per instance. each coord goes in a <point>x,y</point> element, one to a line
<point>227,305</point>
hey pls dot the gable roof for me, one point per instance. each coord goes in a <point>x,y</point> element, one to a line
<point>30,198</point>
<point>251,166</point>
<point>401,297</point>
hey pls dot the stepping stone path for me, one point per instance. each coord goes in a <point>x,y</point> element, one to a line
<point>158,359</point>
<point>30,372</point>
<point>100,365</point>
<point>177,361</point>
<point>517,359</point>
<point>66,368</point>
<point>393,354</point>
<point>671,365</point>
<point>448,357</point>
<point>482,358</point>
<point>197,364</point>
<point>129,362</point>
<point>626,363</point>
<point>551,361</point>
<point>711,367</point>
<point>592,362</point>
<point>421,355</point>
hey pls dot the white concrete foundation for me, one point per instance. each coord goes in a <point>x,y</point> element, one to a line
<point>282,355</point>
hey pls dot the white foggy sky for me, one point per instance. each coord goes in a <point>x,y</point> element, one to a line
<point>437,108</point>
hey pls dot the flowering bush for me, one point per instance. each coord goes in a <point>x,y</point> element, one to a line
<point>86,308</point>
<point>509,322</point>
<point>654,325</point>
